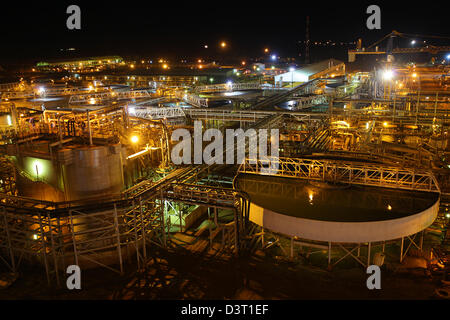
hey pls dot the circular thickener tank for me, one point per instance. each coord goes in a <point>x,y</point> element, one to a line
<point>347,214</point>
<point>94,171</point>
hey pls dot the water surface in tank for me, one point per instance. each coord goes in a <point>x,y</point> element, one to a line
<point>300,198</point>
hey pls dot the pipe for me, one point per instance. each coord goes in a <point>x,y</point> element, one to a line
<point>89,128</point>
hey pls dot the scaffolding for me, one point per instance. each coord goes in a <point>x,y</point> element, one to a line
<point>105,232</point>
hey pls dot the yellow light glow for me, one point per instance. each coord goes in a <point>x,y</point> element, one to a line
<point>389,207</point>
<point>165,66</point>
<point>134,139</point>
<point>414,75</point>
<point>385,124</point>
<point>223,44</point>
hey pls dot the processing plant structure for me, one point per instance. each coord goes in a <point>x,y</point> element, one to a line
<point>87,176</point>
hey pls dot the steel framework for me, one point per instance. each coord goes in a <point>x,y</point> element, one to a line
<point>339,171</point>
<point>103,96</point>
<point>233,87</point>
<point>192,99</point>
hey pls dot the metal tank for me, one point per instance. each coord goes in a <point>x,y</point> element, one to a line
<point>93,171</point>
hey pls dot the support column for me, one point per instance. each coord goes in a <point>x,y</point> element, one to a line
<point>89,127</point>
<point>116,227</point>
<point>401,249</point>
<point>329,254</point>
<point>292,248</point>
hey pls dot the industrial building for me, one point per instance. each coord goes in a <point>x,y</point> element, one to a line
<point>325,69</point>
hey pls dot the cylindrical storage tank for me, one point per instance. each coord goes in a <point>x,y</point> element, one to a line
<point>94,171</point>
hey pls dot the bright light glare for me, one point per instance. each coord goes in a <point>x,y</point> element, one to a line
<point>388,74</point>
<point>134,139</point>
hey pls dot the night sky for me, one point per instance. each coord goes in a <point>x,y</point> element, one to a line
<point>31,32</point>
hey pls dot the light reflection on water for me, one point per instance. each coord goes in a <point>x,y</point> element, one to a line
<point>300,198</point>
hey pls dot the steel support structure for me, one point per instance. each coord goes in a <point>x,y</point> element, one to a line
<point>344,172</point>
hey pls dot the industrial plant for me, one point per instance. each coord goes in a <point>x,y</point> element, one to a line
<point>360,174</point>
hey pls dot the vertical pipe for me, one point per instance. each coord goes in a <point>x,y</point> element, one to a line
<point>163,212</point>
<point>369,246</point>
<point>236,231</point>
<point>116,227</point>
<point>53,249</point>
<point>44,248</point>
<point>89,128</point>
<point>73,238</point>
<point>61,242</point>
<point>181,220</point>
<point>136,245</point>
<point>262,237</point>
<point>143,232</point>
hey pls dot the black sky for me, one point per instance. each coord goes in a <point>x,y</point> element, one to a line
<point>180,29</point>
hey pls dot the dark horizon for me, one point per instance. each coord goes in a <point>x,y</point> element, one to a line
<point>181,31</point>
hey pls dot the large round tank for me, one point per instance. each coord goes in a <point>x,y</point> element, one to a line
<point>351,214</point>
<point>93,171</point>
